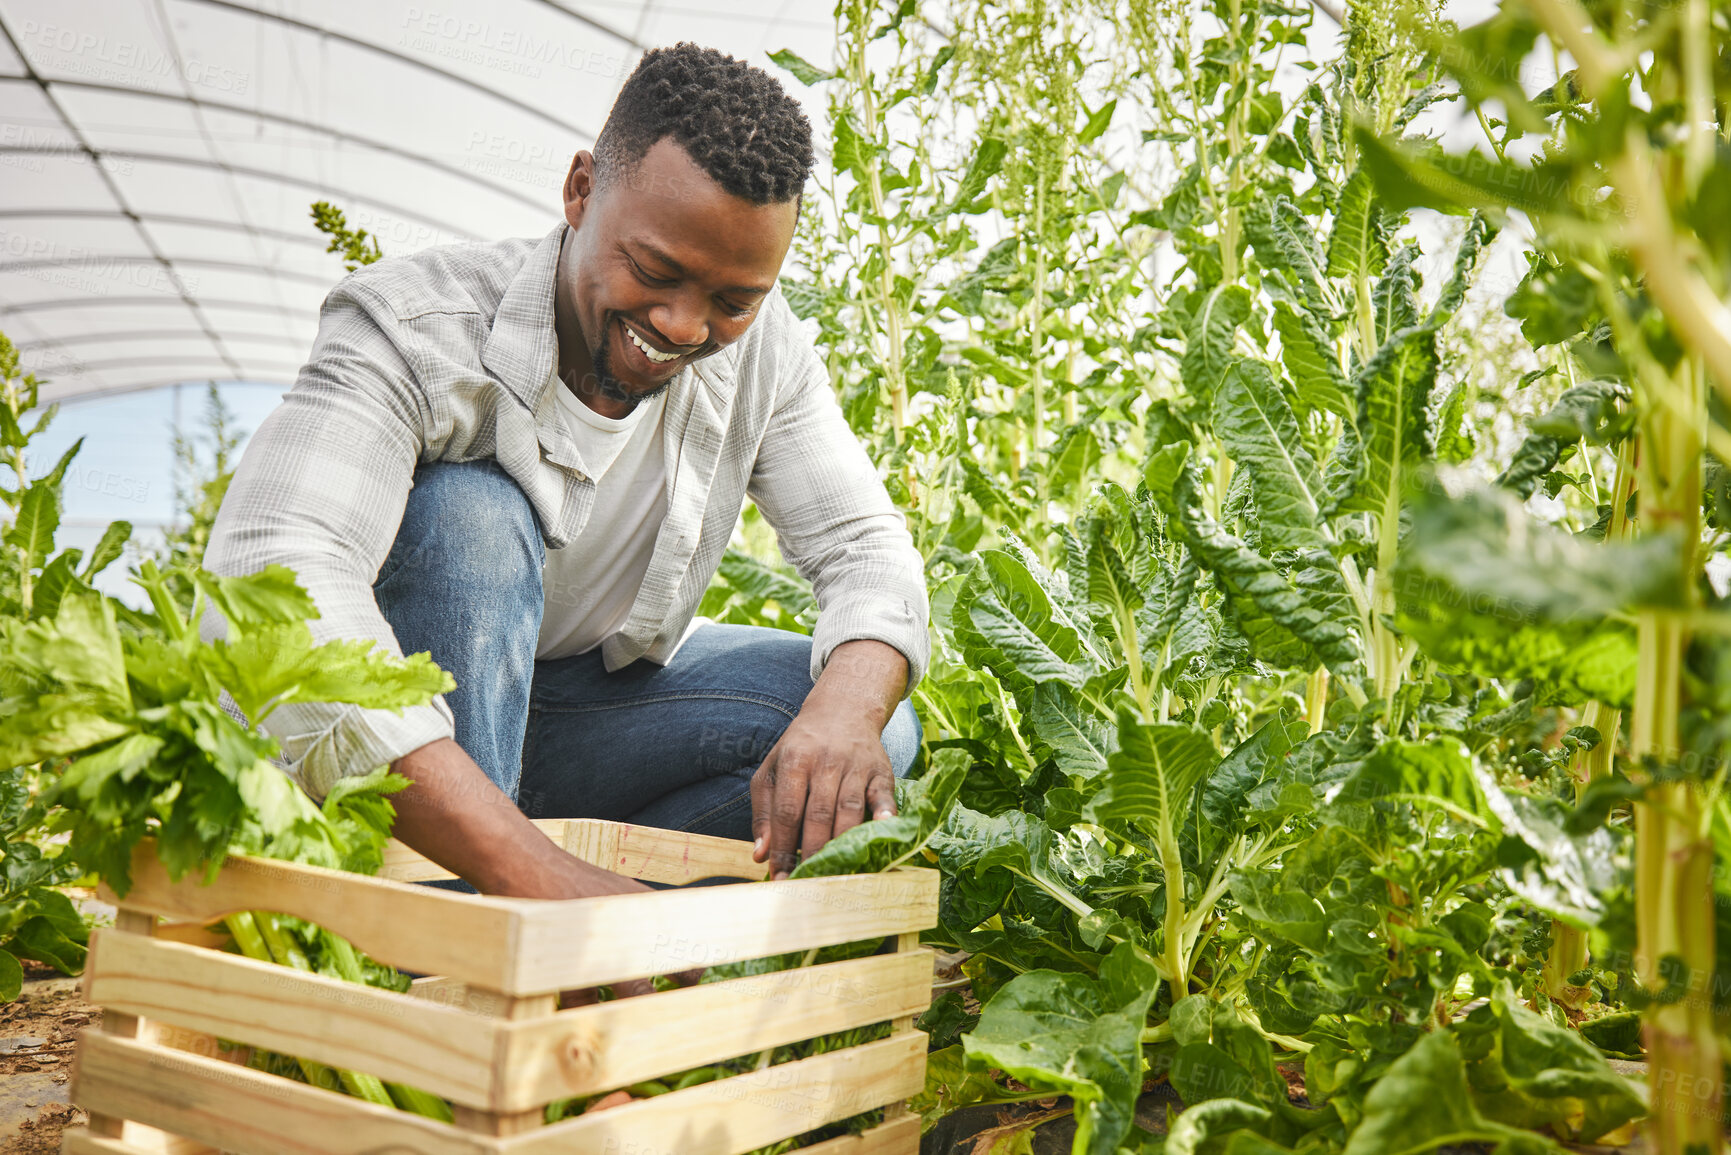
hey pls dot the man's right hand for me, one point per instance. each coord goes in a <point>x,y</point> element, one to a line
<point>455,816</point>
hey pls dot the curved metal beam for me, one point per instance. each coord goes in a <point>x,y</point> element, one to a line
<point>381,50</point>
<point>130,362</point>
<point>263,380</point>
<point>160,335</point>
<point>349,196</point>
<point>114,190</point>
<point>49,213</point>
<point>134,302</point>
<point>188,262</point>
<point>303,125</point>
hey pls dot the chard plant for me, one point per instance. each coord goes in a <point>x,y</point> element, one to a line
<point>1245,786</point>
<point>1627,191</point>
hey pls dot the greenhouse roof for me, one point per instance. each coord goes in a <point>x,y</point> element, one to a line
<point>158,157</point>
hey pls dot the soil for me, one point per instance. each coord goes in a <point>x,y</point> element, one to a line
<point>38,1033</point>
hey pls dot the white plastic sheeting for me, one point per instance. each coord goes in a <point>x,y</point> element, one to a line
<point>158,157</point>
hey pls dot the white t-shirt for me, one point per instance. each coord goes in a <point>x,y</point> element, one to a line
<point>589,586</point>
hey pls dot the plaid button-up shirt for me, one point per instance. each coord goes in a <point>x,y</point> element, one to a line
<point>450,355</point>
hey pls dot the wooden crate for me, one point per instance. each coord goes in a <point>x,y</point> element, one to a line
<point>485,1033</point>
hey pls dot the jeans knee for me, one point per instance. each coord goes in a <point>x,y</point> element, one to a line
<point>902,737</point>
<point>465,525</point>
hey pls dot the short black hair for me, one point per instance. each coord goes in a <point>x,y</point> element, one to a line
<point>734,120</point>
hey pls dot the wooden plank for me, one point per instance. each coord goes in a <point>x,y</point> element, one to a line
<point>609,1045</point>
<point>248,1112</point>
<point>907,946</point>
<point>140,1140</point>
<point>645,852</point>
<point>594,941</point>
<point>137,924</point>
<point>423,1044</point>
<point>896,1137</point>
<point>417,928</point>
<point>735,1115</point>
<point>655,855</point>
<point>405,865</point>
<point>497,1121</point>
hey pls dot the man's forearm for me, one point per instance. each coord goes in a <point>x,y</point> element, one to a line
<point>455,816</point>
<point>865,678</point>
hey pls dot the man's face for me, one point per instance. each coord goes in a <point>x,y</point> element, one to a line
<point>663,267</point>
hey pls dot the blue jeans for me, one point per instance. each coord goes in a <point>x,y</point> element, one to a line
<point>671,746</point>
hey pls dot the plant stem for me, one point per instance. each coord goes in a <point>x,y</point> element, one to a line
<point>1674,915</point>
<point>1316,698</point>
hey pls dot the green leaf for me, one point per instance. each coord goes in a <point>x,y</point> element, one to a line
<point>951,1085</point>
<point>1356,247</point>
<point>270,596</point>
<point>1286,247</point>
<point>108,549</point>
<point>268,665</point>
<point>881,844</point>
<point>988,158</point>
<point>1308,353</point>
<point>1074,1035</point>
<point>1098,120</point>
<point>1287,624</point>
<point>803,70</point>
<point>1589,411</point>
<point>760,581</point>
<point>1423,1102</point>
<point>1480,233</point>
<point>1257,426</point>
<point>32,531</point>
<point>1241,771</point>
<point>1436,773</point>
<point>1394,389</point>
<point>45,942</point>
<point>1153,774</point>
<point>1209,339</point>
<point>1540,1075</point>
<point>1410,177</point>
<point>58,576</point>
<point>1079,738</point>
<point>1004,619</point>
<point>11,974</point>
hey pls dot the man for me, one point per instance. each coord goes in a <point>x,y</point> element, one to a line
<point>528,457</point>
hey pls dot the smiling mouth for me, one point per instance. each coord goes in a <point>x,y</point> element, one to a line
<point>655,355</point>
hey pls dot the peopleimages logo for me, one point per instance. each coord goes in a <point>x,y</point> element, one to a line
<point>516,50</point>
<point>98,57</point>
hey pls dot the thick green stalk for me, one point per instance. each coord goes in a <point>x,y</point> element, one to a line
<point>1674,915</point>
<point>286,952</point>
<point>1316,699</point>
<point>340,953</point>
<point>894,370</point>
<point>1569,954</point>
<point>249,937</point>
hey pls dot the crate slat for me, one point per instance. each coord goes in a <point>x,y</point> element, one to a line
<point>416,928</point>
<point>656,855</point>
<point>643,852</point>
<point>140,1140</point>
<point>242,1110</point>
<point>594,941</point>
<point>896,1137</point>
<point>748,1111</point>
<point>610,1045</point>
<point>448,1052</point>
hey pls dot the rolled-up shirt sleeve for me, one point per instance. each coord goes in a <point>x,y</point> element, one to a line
<point>837,526</point>
<point>321,489</point>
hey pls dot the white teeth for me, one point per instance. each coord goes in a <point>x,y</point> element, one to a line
<point>649,351</point>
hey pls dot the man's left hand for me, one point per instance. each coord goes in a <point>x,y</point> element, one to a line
<point>828,772</point>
